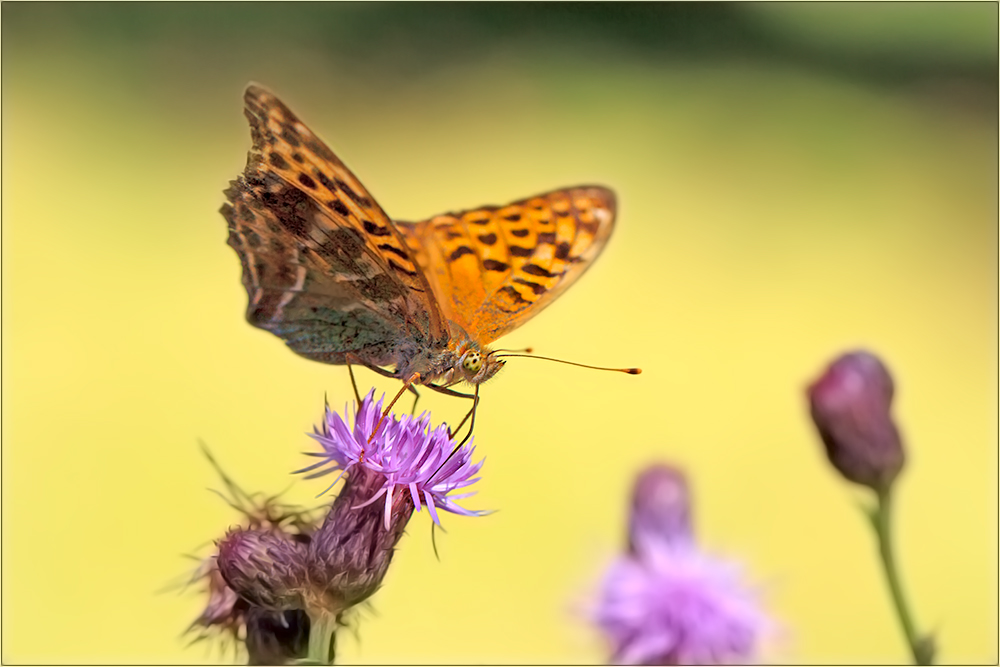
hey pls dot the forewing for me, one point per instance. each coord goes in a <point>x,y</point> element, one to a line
<point>304,296</point>
<point>495,267</point>
<point>312,239</point>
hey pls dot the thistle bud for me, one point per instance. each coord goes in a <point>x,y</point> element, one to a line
<point>350,554</point>
<point>265,568</point>
<point>850,406</point>
<point>661,509</point>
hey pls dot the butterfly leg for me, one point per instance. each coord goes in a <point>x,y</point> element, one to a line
<point>472,412</point>
<point>416,397</point>
<point>472,423</point>
<point>410,381</point>
<point>451,392</point>
<point>350,371</point>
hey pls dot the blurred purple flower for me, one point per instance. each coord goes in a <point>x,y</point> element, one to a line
<point>850,405</point>
<point>661,510</point>
<point>407,454</point>
<point>668,603</point>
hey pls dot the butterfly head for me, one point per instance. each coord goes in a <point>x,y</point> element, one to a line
<point>478,365</point>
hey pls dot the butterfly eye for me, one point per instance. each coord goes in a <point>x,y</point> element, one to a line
<point>472,362</point>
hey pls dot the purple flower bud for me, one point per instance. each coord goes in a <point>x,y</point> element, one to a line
<point>265,568</point>
<point>850,406</point>
<point>226,616</point>
<point>350,553</point>
<point>661,509</point>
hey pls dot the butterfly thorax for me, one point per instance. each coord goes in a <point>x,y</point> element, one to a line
<point>462,360</point>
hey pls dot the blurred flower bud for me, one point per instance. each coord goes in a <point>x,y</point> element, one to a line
<point>661,509</point>
<point>850,406</point>
<point>265,568</point>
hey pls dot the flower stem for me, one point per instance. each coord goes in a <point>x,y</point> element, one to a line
<point>322,638</point>
<point>922,648</point>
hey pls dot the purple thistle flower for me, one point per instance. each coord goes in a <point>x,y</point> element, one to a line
<point>407,455</point>
<point>666,602</point>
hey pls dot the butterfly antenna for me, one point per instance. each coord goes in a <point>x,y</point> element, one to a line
<point>630,371</point>
<point>523,349</point>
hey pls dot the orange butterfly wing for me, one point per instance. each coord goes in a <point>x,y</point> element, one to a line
<point>312,239</point>
<point>494,267</point>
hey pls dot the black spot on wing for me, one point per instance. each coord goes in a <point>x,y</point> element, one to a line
<point>514,294</point>
<point>547,237</point>
<point>278,161</point>
<point>349,191</point>
<point>520,233</point>
<point>307,181</point>
<point>494,265</point>
<point>375,230</point>
<point>320,149</point>
<point>534,287</point>
<point>388,247</point>
<point>459,251</point>
<point>339,207</point>
<point>397,267</point>
<point>325,180</point>
<point>289,134</point>
<point>488,239</point>
<point>519,251</point>
<point>535,270</point>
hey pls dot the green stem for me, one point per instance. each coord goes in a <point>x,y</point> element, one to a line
<point>921,647</point>
<point>322,637</point>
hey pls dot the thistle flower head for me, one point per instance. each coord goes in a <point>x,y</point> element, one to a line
<point>665,601</point>
<point>679,606</point>
<point>406,454</point>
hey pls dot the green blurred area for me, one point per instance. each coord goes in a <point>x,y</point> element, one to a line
<point>794,180</point>
<point>881,43</point>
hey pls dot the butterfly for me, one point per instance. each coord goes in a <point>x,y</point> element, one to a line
<point>330,273</point>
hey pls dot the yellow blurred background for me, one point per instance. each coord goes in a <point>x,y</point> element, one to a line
<point>793,182</point>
